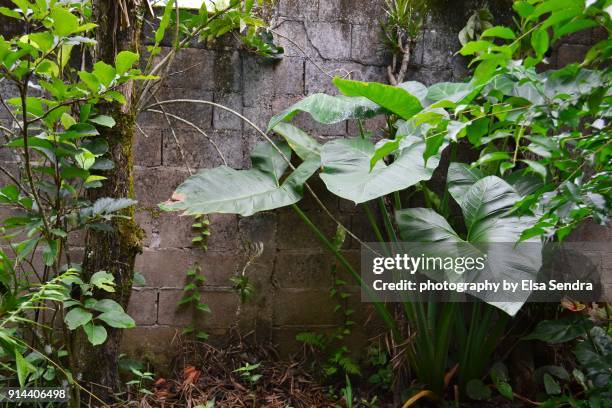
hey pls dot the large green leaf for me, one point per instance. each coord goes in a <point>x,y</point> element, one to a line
<point>96,334</point>
<point>299,141</point>
<point>523,182</point>
<point>328,109</point>
<point>118,319</point>
<point>346,168</point>
<point>562,330</point>
<point>77,317</point>
<point>244,192</point>
<point>449,91</point>
<point>64,22</point>
<point>484,206</point>
<point>393,98</point>
<point>24,367</point>
<point>425,225</point>
<point>460,178</point>
<point>485,203</point>
<point>415,88</point>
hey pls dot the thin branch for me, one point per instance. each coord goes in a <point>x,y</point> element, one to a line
<point>185,121</point>
<point>182,71</point>
<point>28,165</point>
<point>6,130</point>
<point>142,100</point>
<point>274,146</point>
<point>178,144</point>
<point>10,112</point>
<point>67,103</point>
<point>13,179</point>
<point>141,130</point>
<point>316,65</point>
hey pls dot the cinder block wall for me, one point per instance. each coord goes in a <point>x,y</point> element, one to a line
<point>292,277</point>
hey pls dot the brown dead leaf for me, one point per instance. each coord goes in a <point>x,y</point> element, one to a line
<point>190,375</point>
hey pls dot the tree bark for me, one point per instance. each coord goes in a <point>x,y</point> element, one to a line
<point>119,24</point>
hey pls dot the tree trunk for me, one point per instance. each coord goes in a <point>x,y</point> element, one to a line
<point>119,23</point>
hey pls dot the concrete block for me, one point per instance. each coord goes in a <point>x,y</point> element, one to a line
<point>259,81</point>
<point>224,232</point>
<point>197,68</point>
<point>584,37</point>
<point>329,200</point>
<point>227,71</point>
<point>148,220</point>
<point>154,344</point>
<point>289,76</point>
<point>223,307</point>
<point>224,119</point>
<point>166,267</point>
<point>259,116</point>
<point>347,206</point>
<point>260,227</point>
<point>199,151</point>
<point>143,306</point>
<point>289,307</point>
<point>199,114</point>
<point>293,233</point>
<point>191,68</point>
<point>155,185</point>
<point>6,155</point>
<point>353,256</point>
<point>299,9</point>
<point>590,231</point>
<point>366,45</point>
<point>428,76</point>
<point>175,230</point>
<point>417,49</point>
<point>459,68</point>
<point>163,267</point>
<point>331,40</point>
<point>608,294</point>
<point>361,228</point>
<point>148,147</point>
<point>7,90</point>
<point>607,267</point>
<point>598,34</point>
<point>13,169</point>
<point>294,39</point>
<point>354,11</point>
<point>296,269</point>
<point>439,45</point>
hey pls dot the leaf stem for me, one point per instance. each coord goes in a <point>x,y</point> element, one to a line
<point>381,309</point>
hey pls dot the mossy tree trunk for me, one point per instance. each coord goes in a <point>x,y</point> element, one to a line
<point>119,24</point>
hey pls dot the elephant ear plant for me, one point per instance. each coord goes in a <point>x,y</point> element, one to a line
<point>486,203</point>
<point>544,149</point>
